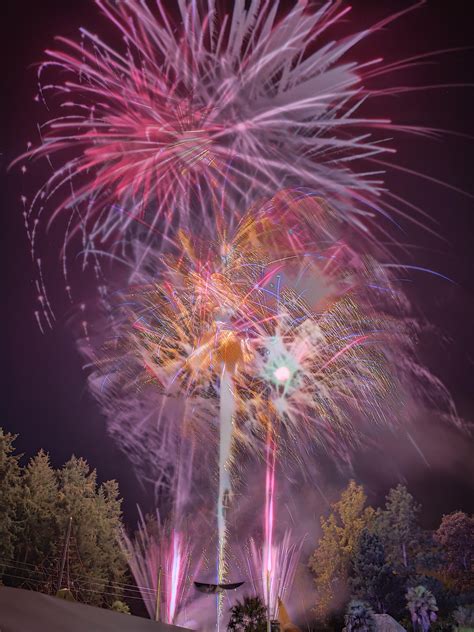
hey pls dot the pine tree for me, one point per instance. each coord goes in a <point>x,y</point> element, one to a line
<point>110,520</point>
<point>77,487</point>
<point>96,563</point>
<point>38,545</point>
<point>372,579</point>
<point>397,526</point>
<point>330,562</point>
<point>36,506</point>
<point>10,499</point>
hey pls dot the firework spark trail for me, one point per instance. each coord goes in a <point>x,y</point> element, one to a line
<point>193,119</point>
<point>160,553</point>
<point>217,313</point>
<point>285,556</point>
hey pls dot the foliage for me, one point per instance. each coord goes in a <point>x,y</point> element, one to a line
<point>37,548</point>
<point>120,606</point>
<point>10,495</point>
<point>442,625</point>
<point>430,558</point>
<point>359,617</point>
<point>372,579</point>
<point>330,563</point>
<point>249,615</point>
<point>456,537</point>
<point>37,504</point>
<point>397,527</point>
<point>96,562</point>
<point>464,616</point>
<point>331,622</point>
<point>422,606</point>
<point>445,598</point>
<point>377,555</point>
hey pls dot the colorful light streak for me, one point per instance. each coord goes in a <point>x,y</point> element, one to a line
<point>160,559</point>
<point>277,585</point>
<point>269,518</point>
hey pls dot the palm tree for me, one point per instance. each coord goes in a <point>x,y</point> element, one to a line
<point>249,615</point>
<point>422,606</point>
<point>359,617</point>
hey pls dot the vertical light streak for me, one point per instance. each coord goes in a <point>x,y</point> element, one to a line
<point>269,520</point>
<point>227,407</point>
<point>176,575</point>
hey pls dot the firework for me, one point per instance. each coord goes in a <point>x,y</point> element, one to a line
<point>199,114</point>
<point>277,584</point>
<point>160,559</point>
<point>226,313</point>
<point>269,318</point>
<point>274,340</point>
<point>272,568</point>
<point>224,326</point>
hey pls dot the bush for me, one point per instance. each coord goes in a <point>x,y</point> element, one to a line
<point>120,606</point>
<point>464,616</point>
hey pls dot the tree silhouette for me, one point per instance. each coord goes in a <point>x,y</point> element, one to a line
<point>10,495</point>
<point>373,579</point>
<point>456,537</point>
<point>37,504</point>
<point>249,615</point>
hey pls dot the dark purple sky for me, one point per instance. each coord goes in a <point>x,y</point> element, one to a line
<point>44,394</point>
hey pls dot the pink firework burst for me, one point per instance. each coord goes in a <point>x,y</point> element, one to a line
<point>202,105</point>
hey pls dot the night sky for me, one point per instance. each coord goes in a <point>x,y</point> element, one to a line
<point>44,395</point>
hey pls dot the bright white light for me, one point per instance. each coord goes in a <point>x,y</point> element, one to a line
<point>282,373</point>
